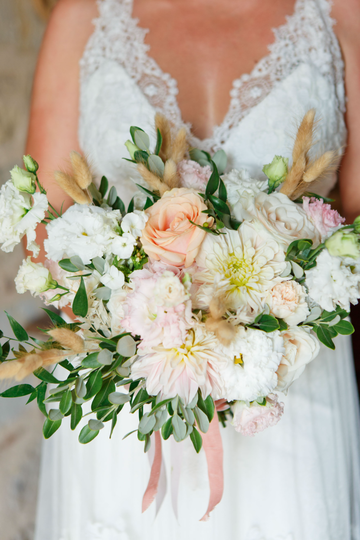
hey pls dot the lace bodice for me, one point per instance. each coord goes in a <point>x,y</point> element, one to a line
<point>121,85</point>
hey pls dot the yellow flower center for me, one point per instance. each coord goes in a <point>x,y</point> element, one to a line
<point>239,359</point>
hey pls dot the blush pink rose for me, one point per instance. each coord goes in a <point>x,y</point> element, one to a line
<point>169,235</point>
<point>256,418</point>
<point>192,175</point>
<point>325,219</point>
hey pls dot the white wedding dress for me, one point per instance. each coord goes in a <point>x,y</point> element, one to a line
<point>299,480</point>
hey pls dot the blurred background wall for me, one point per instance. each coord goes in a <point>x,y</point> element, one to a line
<point>22,23</point>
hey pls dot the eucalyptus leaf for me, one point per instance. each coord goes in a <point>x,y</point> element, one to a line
<point>19,332</point>
<point>194,401</point>
<point>105,357</point>
<point>68,266</point>
<point>55,415</point>
<point>77,262</point>
<point>112,196</point>
<point>161,417</point>
<point>167,429</point>
<point>298,271</point>
<point>196,439</point>
<point>220,160</point>
<point>147,424</point>
<point>314,314</point>
<point>123,371</point>
<point>142,140</point>
<point>99,264</point>
<point>201,419</point>
<point>126,346</point>
<point>66,402</point>
<point>179,427</point>
<point>117,398</point>
<point>156,165</point>
<point>334,321</point>
<point>95,425</point>
<point>80,388</point>
<point>87,435</point>
<point>199,156</point>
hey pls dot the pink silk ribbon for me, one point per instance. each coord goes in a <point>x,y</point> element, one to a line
<point>153,485</point>
<point>212,444</point>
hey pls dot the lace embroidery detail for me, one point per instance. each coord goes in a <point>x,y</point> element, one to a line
<point>306,37</point>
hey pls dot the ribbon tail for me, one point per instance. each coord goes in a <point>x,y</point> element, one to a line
<point>160,496</point>
<point>176,465</point>
<point>212,444</point>
<point>153,485</point>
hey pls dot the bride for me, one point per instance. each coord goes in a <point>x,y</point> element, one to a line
<point>299,480</point>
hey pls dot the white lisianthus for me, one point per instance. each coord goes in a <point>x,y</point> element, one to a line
<point>19,216</point>
<point>23,180</point>
<point>241,190</point>
<point>240,267</point>
<point>301,347</point>
<point>169,291</point>
<point>114,279</point>
<point>284,219</point>
<point>134,223</point>
<point>332,282</point>
<point>252,361</point>
<point>33,277</point>
<point>287,300</point>
<point>183,370</point>
<point>123,246</point>
<point>86,231</point>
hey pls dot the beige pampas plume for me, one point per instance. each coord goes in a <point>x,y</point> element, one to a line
<point>171,175</point>
<point>81,168</point>
<point>67,339</point>
<point>71,188</point>
<point>180,146</point>
<point>223,330</point>
<point>163,125</point>
<point>154,181</point>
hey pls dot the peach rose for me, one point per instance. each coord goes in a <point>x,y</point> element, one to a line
<point>168,235</point>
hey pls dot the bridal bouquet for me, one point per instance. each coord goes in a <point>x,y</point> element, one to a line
<point>201,301</point>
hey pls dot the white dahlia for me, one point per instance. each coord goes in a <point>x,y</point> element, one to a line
<point>240,267</point>
<point>252,361</point>
<point>183,370</point>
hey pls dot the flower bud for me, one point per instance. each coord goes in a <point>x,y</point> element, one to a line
<point>132,148</point>
<point>23,180</point>
<point>30,164</point>
<point>34,277</point>
<point>276,171</point>
<point>343,244</point>
<point>357,225</point>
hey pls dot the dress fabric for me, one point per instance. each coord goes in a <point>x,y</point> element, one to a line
<point>299,480</point>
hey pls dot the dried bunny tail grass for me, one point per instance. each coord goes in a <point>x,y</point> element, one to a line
<point>68,339</point>
<point>180,146</point>
<point>30,364</point>
<point>321,167</point>
<point>294,177</point>
<point>8,370</point>
<point>71,188</point>
<point>82,172</point>
<point>223,330</point>
<point>217,308</point>
<point>163,125</point>
<point>154,181</point>
<point>304,136</point>
<point>53,356</point>
<point>171,175</point>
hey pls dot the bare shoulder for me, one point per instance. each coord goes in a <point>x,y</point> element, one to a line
<point>347,16</point>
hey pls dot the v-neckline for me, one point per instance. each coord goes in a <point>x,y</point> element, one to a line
<point>237,83</point>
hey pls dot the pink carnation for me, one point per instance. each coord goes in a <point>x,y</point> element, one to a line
<point>152,316</point>
<point>325,219</point>
<point>254,419</point>
<point>193,175</point>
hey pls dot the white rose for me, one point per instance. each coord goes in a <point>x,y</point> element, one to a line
<point>114,279</point>
<point>134,223</point>
<point>301,347</point>
<point>287,300</point>
<point>169,291</point>
<point>123,246</point>
<point>241,191</point>
<point>33,277</point>
<point>283,218</point>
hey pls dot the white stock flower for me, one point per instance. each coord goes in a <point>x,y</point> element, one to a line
<point>252,361</point>
<point>301,347</point>
<point>284,219</point>
<point>123,246</point>
<point>183,370</point>
<point>241,191</point>
<point>287,300</point>
<point>20,216</point>
<point>134,223</point>
<point>240,267</point>
<point>86,231</point>
<point>169,291</point>
<point>114,279</point>
<point>33,277</point>
<point>332,282</point>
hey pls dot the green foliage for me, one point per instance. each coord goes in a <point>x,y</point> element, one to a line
<point>80,304</point>
<point>19,332</point>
